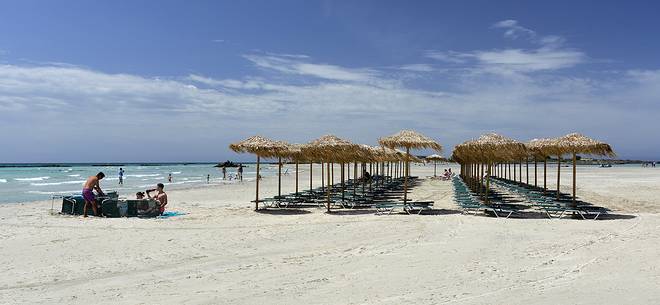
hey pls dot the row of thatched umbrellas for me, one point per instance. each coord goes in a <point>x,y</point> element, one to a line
<point>330,149</point>
<point>490,150</point>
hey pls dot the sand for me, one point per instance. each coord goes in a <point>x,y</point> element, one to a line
<point>222,252</point>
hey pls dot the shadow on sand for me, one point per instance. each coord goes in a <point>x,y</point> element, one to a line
<point>290,211</point>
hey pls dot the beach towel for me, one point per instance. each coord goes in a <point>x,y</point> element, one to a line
<point>169,214</point>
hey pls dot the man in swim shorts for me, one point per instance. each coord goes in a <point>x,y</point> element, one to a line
<point>161,196</point>
<point>92,184</point>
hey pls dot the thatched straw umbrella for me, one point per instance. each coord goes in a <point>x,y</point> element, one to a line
<point>576,143</point>
<point>435,158</point>
<point>543,148</point>
<point>295,154</point>
<point>330,149</point>
<point>409,139</point>
<point>492,147</point>
<point>262,148</point>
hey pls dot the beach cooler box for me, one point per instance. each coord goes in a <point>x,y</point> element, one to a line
<point>74,204</point>
<point>121,208</point>
<point>130,208</point>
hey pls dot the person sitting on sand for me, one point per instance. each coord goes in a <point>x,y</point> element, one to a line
<point>90,185</point>
<point>366,177</point>
<point>161,196</point>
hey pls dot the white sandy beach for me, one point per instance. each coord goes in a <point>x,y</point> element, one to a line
<point>222,252</point>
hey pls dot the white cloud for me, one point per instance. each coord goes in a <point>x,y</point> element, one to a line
<point>448,56</point>
<point>297,99</point>
<point>417,68</point>
<point>513,29</point>
<point>293,65</point>
<point>527,61</point>
<point>548,53</point>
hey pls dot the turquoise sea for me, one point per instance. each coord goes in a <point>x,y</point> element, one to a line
<point>32,182</point>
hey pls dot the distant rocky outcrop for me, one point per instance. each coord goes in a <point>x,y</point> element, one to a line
<point>227,164</point>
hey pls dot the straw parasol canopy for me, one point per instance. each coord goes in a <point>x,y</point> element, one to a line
<point>489,148</point>
<point>543,147</point>
<point>495,147</point>
<point>262,148</point>
<point>409,139</point>
<point>331,148</point>
<point>578,143</point>
<point>435,157</point>
<point>575,143</point>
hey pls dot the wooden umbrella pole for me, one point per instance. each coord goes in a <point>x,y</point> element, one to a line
<point>311,168</point>
<point>354,176</point>
<point>342,181</point>
<point>435,165</point>
<point>574,173</point>
<point>520,171</point>
<point>558,174</point>
<point>514,172</point>
<point>405,177</point>
<point>296,178</point>
<point>371,172</point>
<point>481,178</point>
<point>535,174</point>
<point>527,168</point>
<point>322,177</point>
<point>487,181</point>
<point>545,170</point>
<point>332,175</point>
<point>256,200</point>
<point>363,167</point>
<point>328,188</point>
<point>279,177</point>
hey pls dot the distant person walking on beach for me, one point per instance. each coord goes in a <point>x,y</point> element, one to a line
<point>92,184</point>
<point>240,172</point>
<point>121,176</point>
<point>169,178</point>
<point>224,173</point>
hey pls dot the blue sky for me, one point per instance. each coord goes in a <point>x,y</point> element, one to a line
<point>177,81</point>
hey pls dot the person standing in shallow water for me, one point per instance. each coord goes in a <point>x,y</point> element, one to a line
<point>224,173</point>
<point>169,178</point>
<point>208,178</point>
<point>240,172</point>
<point>121,176</point>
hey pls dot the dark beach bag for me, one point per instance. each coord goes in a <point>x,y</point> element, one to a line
<point>109,208</point>
<point>73,205</point>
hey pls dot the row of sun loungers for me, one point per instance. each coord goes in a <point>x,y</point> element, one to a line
<point>383,194</point>
<point>502,204</point>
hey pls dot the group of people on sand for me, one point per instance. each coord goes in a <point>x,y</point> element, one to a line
<point>93,184</point>
<point>238,176</point>
<point>447,174</point>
